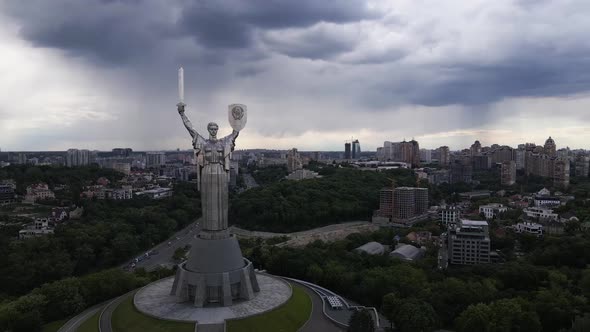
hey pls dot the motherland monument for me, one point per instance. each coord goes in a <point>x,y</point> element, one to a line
<point>216,273</point>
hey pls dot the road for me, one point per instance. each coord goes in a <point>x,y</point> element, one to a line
<point>104,322</point>
<point>165,251</point>
<point>73,324</point>
<point>164,256</point>
<point>317,321</point>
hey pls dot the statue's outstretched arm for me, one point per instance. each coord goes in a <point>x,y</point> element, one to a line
<point>230,141</point>
<point>186,121</point>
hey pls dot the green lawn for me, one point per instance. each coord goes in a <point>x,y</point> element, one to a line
<point>289,317</point>
<point>127,319</point>
<point>91,324</point>
<point>54,326</point>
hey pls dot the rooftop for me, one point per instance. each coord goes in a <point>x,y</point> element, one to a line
<point>467,222</point>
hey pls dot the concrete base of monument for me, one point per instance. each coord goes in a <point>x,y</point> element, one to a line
<point>155,300</point>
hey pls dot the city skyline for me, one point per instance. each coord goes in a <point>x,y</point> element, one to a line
<point>341,149</point>
<point>88,76</point>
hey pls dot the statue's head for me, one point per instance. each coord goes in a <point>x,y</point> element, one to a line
<point>212,127</point>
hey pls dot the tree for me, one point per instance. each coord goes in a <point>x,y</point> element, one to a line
<point>179,254</point>
<point>585,283</point>
<point>389,307</point>
<point>475,318</point>
<point>581,324</point>
<point>555,308</point>
<point>24,314</point>
<point>63,298</point>
<point>529,322</point>
<point>415,315</point>
<point>361,321</point>
<point>504,315</point>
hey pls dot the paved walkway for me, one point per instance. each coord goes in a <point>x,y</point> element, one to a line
<point>104,322</point>
<point>155,300</point>
<point>75,322</point>
<point>317,321</point>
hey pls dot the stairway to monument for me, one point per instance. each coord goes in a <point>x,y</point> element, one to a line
<point>210,327</point>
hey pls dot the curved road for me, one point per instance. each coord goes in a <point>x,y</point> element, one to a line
<point>104,322</point>
<point>165,256</point>
<point>73,324</point>
<point>317,321</point>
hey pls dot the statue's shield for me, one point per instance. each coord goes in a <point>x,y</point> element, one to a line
<point>238,115</point>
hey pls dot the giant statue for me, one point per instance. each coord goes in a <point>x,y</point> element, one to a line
<point>215,274</point>
<point>213,160</point>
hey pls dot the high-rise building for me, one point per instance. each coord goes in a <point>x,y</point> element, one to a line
<point>347,151</point>
<point>550,148</point>
<point>461,171</point>
<point>444,156</point>
<point>502,154</point>
<point>386,202</point>
<point>409,203</point>
<point>380,156</point>
<point>294,161</point>
<point>403,204</point>
<point>539,164</point>
<point>356,149</point>
<point>155,159</point>
<point>475,149</point>
<point>407,152</point>
<point>125,152</point>
<point>508,173</point>
<point>561,173</point>
<point>22,158</point>
<point>481,162</point>
<point>520,158</point>
<point>469,242</point>
<point>563,153</point>
<point>582,166</point>
<point>75,157</point>
<point>410,153</point>
<point>425,156</point>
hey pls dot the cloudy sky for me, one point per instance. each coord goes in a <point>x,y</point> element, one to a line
<point>99,74</point>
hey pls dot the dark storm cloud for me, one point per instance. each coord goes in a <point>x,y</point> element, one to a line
<point>241,35</point>
<point>529,73</point>
<point>481,85</point>
<point>123,31</point>
<point>312,45</point>
<point>232,23</point>
<point>107,30</point>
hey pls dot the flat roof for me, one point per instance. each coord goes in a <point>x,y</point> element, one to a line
<point>468,222</point>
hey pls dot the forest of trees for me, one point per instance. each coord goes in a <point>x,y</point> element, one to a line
<point>268,175</point>
<point>545,290</point>
<point>68,297</point>
<point>109,233</point>
<point>74,178</point>
<point>341,195</point>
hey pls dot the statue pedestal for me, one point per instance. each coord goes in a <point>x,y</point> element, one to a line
<point>215,274</point>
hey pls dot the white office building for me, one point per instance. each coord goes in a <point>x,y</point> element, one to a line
<point>529,228</point>
<point>540,213</point>
<point>449,215</point>
<point>491,211</point>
